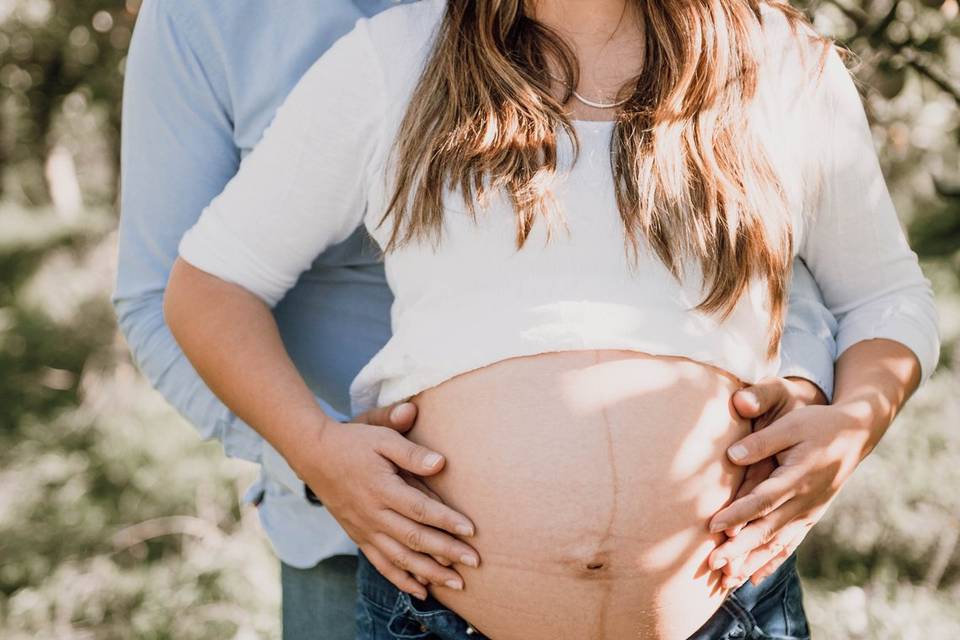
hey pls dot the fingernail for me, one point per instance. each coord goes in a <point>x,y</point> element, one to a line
<point>420,596</point>
<point>718,564</point>
<point>464,529</point>
<point>396,414</point>
<point>470,560</point>
<point>737,452</point>
<point>432,459</point>
<point>717,527</point>
<point>454,584</point>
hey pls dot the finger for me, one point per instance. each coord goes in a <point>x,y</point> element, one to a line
<point>417,483</point>
<point>757,399</point>
<point>781,434</point>
<point>755,534</point>
<point>776,561</point>
<point>765,497</point>
<point>434,542</point>
<point>399,417</point>
<point>419,507</point>
<point>755,474</point>
<point>401,579</point>
<point>738,570</point>
<point>408,455</point>
<point>768,567</point>
<point>419,564</point>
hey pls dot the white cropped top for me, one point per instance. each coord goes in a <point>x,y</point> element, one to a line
<point>321,170</point>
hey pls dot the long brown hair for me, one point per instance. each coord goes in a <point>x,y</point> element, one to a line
<point>692,177</point>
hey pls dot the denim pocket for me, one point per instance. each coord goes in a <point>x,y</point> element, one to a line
<point>372,620</point>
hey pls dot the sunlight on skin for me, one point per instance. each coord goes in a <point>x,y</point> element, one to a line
<point>565,461</point>
<point>590,389</point>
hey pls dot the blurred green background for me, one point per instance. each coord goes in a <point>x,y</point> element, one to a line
<point>116,522</point>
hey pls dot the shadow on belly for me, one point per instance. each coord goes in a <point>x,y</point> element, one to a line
<point>591,477</point>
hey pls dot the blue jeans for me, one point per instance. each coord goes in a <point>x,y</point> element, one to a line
<point>772,610</point>
<point>319,603</point>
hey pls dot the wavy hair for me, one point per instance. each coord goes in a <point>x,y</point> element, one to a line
<point>692,176</point>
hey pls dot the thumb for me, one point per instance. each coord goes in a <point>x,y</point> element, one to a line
<point>399,417</point>
<point>757,399</point>
<point>409,456</point>
<point>767,442</point>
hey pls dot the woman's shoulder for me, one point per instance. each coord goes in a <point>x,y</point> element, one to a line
<point>402,37</point>
<point>804,68</point>
<point>791,45</point>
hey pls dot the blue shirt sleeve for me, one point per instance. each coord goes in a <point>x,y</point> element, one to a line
<point>178,152</point>
<point>808,347</point>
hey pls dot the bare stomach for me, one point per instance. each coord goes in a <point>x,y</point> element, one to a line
<point>590,476</point>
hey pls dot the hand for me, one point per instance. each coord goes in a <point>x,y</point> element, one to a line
<point>817,448</point>
<point>366,476</point>
<point>401,418</point>
<point>764,402</point>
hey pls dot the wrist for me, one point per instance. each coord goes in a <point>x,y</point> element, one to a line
<point>303,446</point>
<point>859,419</point>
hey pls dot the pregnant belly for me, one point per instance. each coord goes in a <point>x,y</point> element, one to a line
<point>591,476</point>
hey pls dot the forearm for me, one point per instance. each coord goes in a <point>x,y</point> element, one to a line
<point>874,378</point>
<point>231,338</point>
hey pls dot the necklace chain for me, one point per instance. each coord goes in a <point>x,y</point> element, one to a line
<point>600,105</point>
<point>592,103</point>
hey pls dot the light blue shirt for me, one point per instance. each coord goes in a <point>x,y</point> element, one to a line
<point>203,80</point>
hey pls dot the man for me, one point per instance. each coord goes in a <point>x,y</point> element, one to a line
<point>204,78</point>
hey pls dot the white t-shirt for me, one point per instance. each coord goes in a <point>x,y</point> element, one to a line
<point>321,170</point>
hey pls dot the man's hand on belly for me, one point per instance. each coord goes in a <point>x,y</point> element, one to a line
<point>368,478</point>
<point>787,487</point>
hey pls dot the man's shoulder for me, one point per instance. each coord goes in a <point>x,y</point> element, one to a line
<point>200,10</point>
<point>214,17</point>
<point>186,12</point>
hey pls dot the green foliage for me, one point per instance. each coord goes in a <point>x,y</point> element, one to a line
<point>58,55</point>
<point>116,523</point>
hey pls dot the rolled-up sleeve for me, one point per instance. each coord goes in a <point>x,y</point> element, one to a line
<point>852,241</point>
<point>808,347</point>
<point>177,153</point>
<point>304,186</point>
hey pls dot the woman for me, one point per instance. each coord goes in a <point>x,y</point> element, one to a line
<point>589,244</point>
